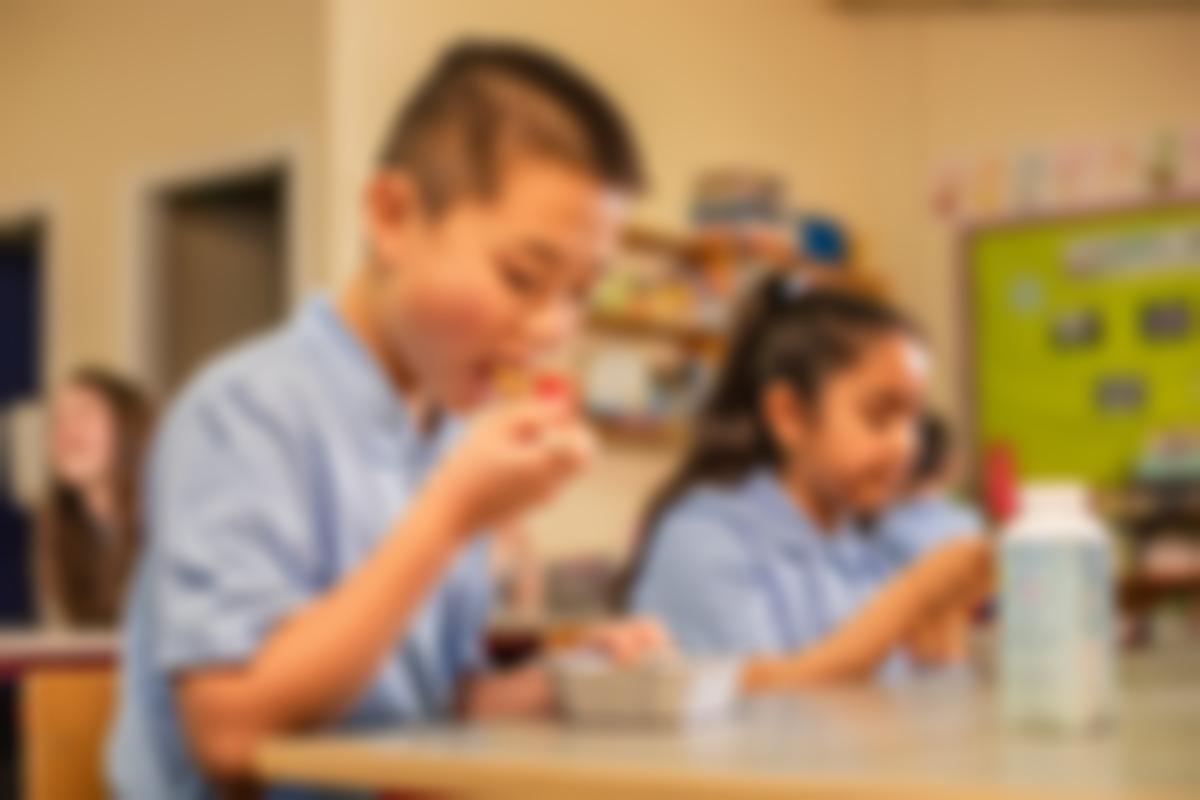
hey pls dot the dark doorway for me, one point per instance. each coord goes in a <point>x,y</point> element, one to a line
<point>22,249</point>
<point>220,267</point>
<point>21,253</point>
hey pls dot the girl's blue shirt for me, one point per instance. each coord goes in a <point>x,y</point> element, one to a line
<point>741,570</point>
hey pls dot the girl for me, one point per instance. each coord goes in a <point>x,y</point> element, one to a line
<point>89,528</point>
<point>753,547</point>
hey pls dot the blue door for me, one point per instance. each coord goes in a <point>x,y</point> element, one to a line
<point>20,379</point>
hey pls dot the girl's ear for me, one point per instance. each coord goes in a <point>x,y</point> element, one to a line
<point>391,211</point>
<point>785,415</point>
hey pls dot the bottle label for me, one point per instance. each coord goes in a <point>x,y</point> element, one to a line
<point>1056,630</point>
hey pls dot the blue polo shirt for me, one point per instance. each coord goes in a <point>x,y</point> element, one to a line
<point>741,570</point>
<point>278,472</point>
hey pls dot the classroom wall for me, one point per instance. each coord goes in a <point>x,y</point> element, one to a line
<point>856,110</point>
<point>96,97</point>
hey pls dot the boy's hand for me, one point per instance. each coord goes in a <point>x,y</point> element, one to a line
<point>513,457</point>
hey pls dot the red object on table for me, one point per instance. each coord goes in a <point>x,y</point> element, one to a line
<point>1000,481</point>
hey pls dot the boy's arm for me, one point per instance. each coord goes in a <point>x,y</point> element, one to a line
<point>854,650</point>
<point>317,662</point>
<point>323,655</point>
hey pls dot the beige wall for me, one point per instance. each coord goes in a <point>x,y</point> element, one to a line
<point>100,96</point>
<point>856,110</point>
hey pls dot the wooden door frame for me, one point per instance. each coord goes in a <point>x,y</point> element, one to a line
<point>142,289</point>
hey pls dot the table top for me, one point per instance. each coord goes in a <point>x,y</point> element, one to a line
<point>925,740</point>
<point>22,649</point>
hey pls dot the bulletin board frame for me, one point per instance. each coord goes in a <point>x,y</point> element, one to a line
<point>966,289</point>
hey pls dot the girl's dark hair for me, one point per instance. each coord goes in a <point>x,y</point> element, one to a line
<point>791,329</point>
<point>87,574</point>
<point>933,451</point>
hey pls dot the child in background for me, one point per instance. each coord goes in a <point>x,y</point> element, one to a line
<point>314,511</point>
<point>927,515</point>
<point>753,548</point>
<point>89,526</point>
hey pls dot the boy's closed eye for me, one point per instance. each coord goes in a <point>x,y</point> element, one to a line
<point>536,271</point>
<point>523,279</point>
<point>531,267</point>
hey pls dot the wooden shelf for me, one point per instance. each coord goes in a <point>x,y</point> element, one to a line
<point>706,250</point>
<point>1141,591</point>
<point>709,249</point>
<point>695,250</point>
<point>648,327</point>
<point>638,432</point>
<point>1136,501</point>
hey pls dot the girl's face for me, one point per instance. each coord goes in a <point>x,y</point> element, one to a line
<point>82,437</point>
<point>492,285</point>
<point>855,449</point>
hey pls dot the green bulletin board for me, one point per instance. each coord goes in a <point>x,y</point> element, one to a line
<point>1085,337</point>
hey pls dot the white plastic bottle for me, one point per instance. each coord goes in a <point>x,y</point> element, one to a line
<point>1056,605</point>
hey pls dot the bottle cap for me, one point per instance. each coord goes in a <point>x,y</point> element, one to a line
<point>1054,496</point>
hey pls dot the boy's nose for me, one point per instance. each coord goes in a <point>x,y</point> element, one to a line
<point>551,325</point>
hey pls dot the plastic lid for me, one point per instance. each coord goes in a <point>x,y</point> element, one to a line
<point>1054,496</point>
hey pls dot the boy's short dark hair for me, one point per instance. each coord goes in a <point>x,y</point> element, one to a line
<point>484,100</point>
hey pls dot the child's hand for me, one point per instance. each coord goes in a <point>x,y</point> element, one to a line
<point>941,641</point>
<point>629,641</point>
<point>513,457</point>
<point>963,569</point>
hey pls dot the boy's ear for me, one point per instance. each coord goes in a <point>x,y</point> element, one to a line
<point>786,415</point>
<point>392,208</point>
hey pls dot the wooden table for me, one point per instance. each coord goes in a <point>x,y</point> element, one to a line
<point>924,741</point>
<point>26,649</point>
<point>65,681</point>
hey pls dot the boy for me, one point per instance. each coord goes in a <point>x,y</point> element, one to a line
<point>314,556</point>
